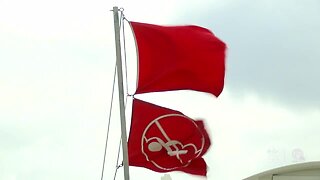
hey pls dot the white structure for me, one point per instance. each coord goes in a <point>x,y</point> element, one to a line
<point>303,171</point>
<point>166,177</point>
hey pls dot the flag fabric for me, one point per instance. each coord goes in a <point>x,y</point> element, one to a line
<point>165,140</point>
<point>178,58</point>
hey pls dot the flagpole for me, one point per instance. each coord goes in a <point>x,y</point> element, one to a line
<point>121,94</point>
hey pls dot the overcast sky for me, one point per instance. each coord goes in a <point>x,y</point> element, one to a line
<point>57,62</point>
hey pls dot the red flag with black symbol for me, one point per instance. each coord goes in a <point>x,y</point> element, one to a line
<point>165,140</point>
<point>178,58</point>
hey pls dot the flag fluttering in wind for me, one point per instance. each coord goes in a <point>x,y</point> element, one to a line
<point>166,140</point>
<point>178,58</point>
<point>173,58</point>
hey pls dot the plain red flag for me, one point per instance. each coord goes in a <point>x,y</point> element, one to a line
<point>165,140</point>
<point>179,58</point>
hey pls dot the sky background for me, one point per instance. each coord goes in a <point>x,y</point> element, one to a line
<point>57,63</point>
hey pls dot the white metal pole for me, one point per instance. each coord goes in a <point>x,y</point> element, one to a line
<point>121,93</point>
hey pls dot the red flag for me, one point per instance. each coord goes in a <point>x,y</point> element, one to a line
<point>179,58</point>
<point>165,140</point>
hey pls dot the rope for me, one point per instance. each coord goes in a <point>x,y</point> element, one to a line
<point>110,111</point>
<point>125,52</point>
<point>117,164</point>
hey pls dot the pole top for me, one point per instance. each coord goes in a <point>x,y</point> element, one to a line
<point>115,8</point>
